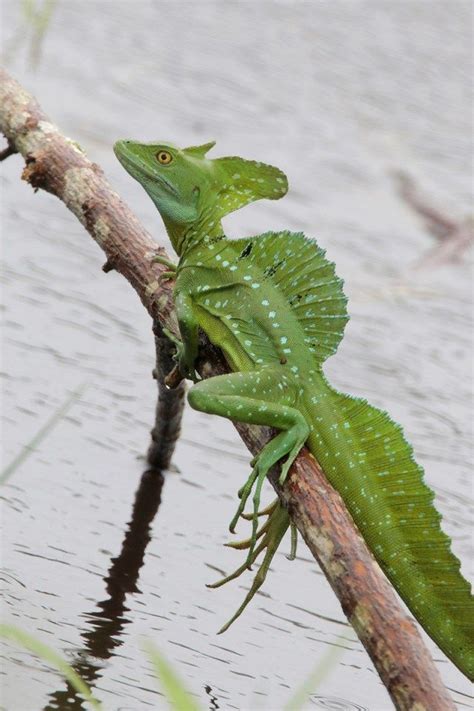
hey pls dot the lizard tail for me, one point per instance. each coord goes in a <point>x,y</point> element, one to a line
<point>367,459</point>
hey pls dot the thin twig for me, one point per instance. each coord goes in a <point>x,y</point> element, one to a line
<point>10,150</point>
<point>55,163</point>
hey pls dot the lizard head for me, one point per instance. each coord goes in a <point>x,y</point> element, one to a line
<point>173,179</point>
<point>192,192</point>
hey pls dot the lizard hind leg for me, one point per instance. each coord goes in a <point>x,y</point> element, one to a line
<point>258,398</point>
<point>264,397</point>
<point>285,444</point>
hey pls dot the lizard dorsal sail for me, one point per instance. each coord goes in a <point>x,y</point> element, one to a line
<point>300,271</point>
<point>240,182</point>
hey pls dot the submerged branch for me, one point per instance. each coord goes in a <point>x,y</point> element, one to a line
<point>56,164</point>
<point>453,237</point>
<point>169,407</point>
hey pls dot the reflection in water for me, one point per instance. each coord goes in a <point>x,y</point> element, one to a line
<point>335,704</point>
<point>107,622</point>
<point>213,699</point>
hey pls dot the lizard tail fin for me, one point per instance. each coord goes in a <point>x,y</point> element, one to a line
<point>240,182</point>
<point>383,488</point>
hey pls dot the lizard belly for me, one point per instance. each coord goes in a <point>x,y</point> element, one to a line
<point>222,337</point>
<point>240,327</point>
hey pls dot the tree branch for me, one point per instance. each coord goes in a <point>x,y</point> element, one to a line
<point>54,163</point>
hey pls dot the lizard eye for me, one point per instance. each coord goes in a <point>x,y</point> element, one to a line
<point>164,157</point>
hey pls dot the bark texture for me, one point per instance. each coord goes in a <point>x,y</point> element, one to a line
<point>56,164</point>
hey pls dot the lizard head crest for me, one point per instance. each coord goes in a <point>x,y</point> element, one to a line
<point>199,151</point>
<point>193,191</point>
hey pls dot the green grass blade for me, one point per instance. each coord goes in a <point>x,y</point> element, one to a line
<point>50,656</point>
<point>178,697</point>
<point>327,662</point>
<point>41,434</point>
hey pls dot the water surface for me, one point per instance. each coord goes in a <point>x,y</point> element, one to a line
<point>338,95</point>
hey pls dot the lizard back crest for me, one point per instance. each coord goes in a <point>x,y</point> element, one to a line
<point>300,271</point>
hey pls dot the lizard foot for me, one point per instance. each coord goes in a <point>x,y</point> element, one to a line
<point>271,533</point>
<point>285,444</point>
<point>267,511</point>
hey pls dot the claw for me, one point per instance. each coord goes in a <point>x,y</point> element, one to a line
<point>244,494</point>
<point>242,545</point>
<point>256,504</point>
<point>294,541</point>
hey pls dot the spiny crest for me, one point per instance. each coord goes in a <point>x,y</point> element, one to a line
<point>299,269</point>
<point>393,508</point>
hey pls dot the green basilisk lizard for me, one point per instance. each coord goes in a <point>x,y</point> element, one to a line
<point>276,308</point>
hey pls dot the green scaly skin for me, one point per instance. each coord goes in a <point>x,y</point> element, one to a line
<point>276,308</point>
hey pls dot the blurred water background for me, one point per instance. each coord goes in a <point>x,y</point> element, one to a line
<point>339,95</point>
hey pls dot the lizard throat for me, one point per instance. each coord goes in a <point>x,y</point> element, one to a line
<point>207,232</point>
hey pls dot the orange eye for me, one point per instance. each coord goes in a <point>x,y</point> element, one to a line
<point>164,157</point>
